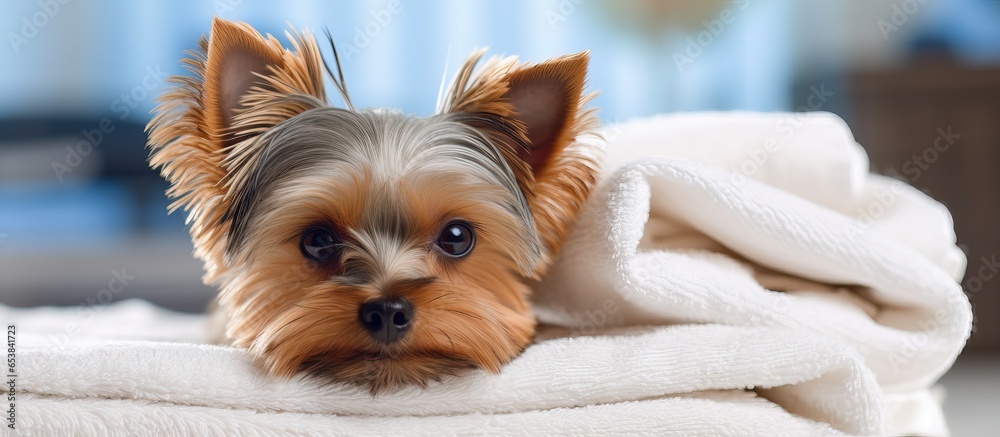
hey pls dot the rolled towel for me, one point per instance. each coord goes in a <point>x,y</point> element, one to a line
<point>673,240</point>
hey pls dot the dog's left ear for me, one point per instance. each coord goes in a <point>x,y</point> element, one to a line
<point>535,113</point>
<point>543,100</point>
<point>546,98</point>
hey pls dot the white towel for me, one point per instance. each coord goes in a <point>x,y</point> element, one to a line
<point>868,320</point>
<point>681,380</point>
<point>701,218</point>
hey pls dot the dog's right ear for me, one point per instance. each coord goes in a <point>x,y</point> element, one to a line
<point>244,83</point>
<point>236,59</point>
<point>239,60</point>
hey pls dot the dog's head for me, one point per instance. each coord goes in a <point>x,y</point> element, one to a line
<point>370,246</point>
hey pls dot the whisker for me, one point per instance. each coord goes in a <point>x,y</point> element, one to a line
<point>300,331</point>
<point>338,79</point>
<point>449,340</point>
<point>436,298</point>
<point>439,106</point>
<point>471,316</point>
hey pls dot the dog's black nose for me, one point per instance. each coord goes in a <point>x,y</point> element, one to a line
<point>387,320</point>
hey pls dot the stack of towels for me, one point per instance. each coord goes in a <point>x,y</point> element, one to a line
<point>732,274</point>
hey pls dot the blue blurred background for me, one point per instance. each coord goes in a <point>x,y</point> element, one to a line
<point>79,207</point>
<point>77,200</point>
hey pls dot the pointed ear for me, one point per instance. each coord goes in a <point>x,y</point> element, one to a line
<point>238,58</point>
<point>535,114</point>
<point>243,83</point>
<point>537,107</point>
<point>545,98</point>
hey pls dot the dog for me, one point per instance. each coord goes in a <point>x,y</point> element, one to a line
<point>370,247</point>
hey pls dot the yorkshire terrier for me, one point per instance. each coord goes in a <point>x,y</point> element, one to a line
<point>367,246</point>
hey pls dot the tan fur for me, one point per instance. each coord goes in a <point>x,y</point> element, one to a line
<point>294,314</point>
<point>473,312</point>
<point>557,193</point>
<point>186,137</point>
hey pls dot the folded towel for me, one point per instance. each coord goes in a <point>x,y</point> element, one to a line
<point>696,295</point>
<point>769,229</point>
<point>681,380</point>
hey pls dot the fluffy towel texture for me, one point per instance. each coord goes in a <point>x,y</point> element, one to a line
<point>682,380</point>
<point>868,316</point>
<point>770,220</point>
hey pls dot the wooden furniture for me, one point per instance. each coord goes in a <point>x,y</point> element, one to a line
<point>898,116</point>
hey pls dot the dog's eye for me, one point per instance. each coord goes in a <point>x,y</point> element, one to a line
<point>319,244</point>
<point>456,239</point>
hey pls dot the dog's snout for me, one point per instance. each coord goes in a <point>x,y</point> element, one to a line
<point>387,320</point>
